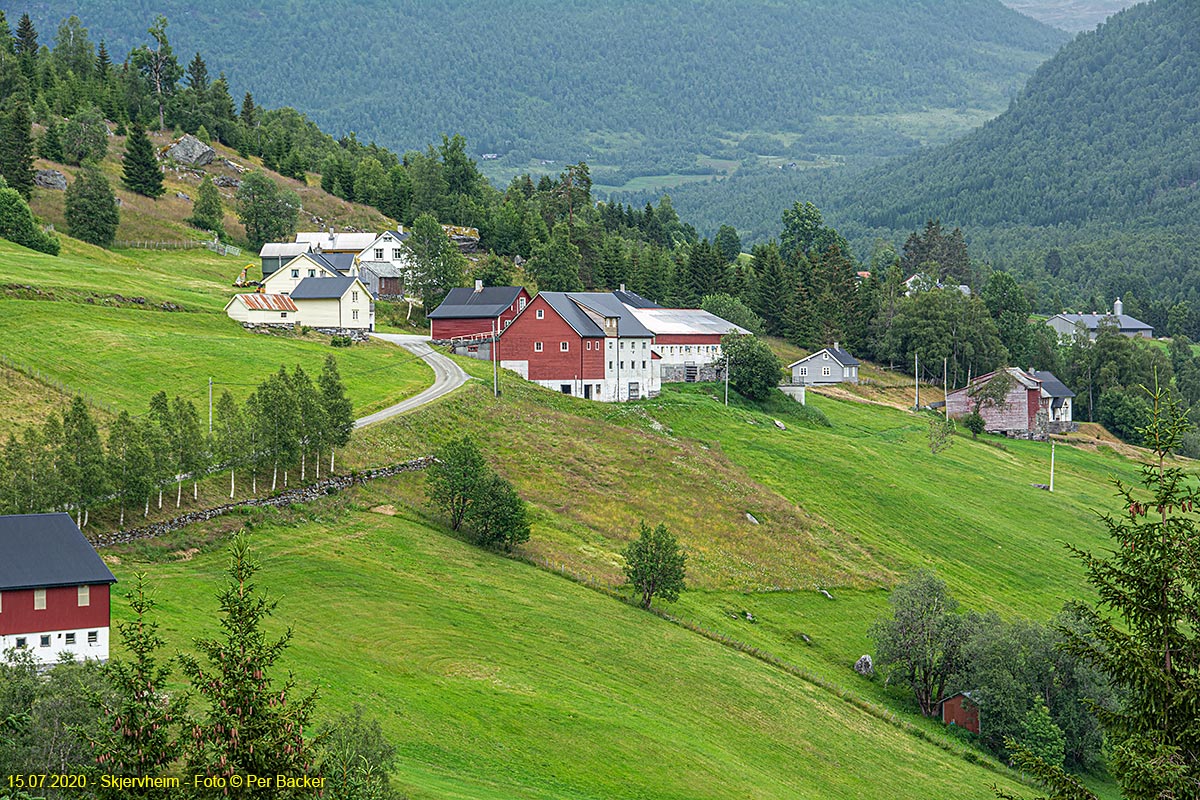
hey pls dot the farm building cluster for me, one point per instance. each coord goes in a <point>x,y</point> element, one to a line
<point>608,346</point>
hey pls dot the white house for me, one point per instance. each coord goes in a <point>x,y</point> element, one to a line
<point>687,340</point>
<point>334,303</point>
<point>305,265</point>
<point>828,365</point>
<point>1067,324</point>
<point>254,308</point>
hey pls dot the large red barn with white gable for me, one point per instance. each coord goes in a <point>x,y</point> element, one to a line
<point>54,589</point>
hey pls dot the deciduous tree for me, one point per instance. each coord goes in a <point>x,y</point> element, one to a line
<point>655,565</point>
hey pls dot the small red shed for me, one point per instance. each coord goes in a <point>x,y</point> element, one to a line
<point>476,312</point>
<point>959,709</point>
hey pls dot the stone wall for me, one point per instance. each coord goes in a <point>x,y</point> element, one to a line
<point>356,334</point>
<point>303,494</point>
<point>676,373</point>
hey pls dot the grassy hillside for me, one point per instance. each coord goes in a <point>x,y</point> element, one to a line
<point>498,680</point>
<point>91,321</point>
<point>162,219</point>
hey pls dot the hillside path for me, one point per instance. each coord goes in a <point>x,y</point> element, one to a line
<point>447,376</point>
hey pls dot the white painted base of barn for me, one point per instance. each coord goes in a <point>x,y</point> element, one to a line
<point>794,391</point>
<point>48,646</point>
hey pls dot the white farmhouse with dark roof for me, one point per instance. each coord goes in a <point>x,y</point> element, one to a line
<point>53,589</point>
<point>1067,324</point>
<point>334,304</point>
<point>828,365</point>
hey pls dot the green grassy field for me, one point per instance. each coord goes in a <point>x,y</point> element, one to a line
<point>499,680</point>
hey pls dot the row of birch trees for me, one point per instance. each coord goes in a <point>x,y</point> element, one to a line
<point>289,422</point>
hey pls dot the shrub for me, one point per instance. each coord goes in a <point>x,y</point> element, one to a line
<point>974,423</point>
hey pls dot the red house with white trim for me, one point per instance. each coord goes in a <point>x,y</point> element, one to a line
<point>586,344</point>
<point>54,589</point>
<point>474,313</point>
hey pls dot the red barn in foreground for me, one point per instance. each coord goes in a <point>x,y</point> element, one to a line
<point>959,709</point>
<point>476,312</point>
<point>53,589</point>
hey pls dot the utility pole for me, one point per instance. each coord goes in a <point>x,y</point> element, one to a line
<point>210,406</point>
<point>945,389</point>
<point>916,383</point>
<point>727,378</point>
<point>495,359</point>
<point>1051,465</point>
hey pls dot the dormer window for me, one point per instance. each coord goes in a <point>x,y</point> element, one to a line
<point>825,356</point>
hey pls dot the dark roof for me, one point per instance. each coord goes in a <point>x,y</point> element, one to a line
<point>839,355</point>
<point>570,306</point>
<point>340,262</point>
<point>635,300</point>
<point>381,269</point>
<point>1053,386</point>
<point>45,550</point>
<point>321,288</point>
<point>466,303</point>
<point>1124,322</point>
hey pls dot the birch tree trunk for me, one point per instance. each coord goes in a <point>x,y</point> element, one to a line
<point>232,472</point>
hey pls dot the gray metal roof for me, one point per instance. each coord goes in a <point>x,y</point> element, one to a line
<point>466,303</point>
<point>322,288</point>
<point>283,249</point>
<point>839,355</point>
<point>634,300</point>
<point>684,321</point>
<point>381,269</point>
<point>46,550</point>
<point>1123,322</point>
<point>605,304</point>
<point>1053,386</point>
<point>341,262</point>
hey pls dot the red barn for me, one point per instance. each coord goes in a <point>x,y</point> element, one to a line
<point>476,312</point>
<point>1035,404</point>
<point>53,589</point>
<point>586,344</point>
<point>959,709</point>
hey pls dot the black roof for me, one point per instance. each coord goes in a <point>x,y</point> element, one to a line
<point>634,300</point>
<point>466,303</point>
<point>1053,386</point>
<point>843,358</point>
<point>322,288</point>
<point>341,262</point>
<point>570,306</point>
<point>45,550</point>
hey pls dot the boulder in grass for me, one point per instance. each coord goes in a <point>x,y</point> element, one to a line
<point>190,150</point>
<point>865,667</point>
<point>50,179</point>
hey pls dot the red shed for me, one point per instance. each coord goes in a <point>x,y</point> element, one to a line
<point>959,709</point>
<point>53,589</point>
<point>475,312</point>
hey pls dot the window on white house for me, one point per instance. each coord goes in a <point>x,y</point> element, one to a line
<point>295,273</point>
<point>825,371</point>
<point>354,297</point>
<point>283,315</point>
<point>39,599</point>
<point>45,641</point>
<point>803,371</point>
<point>825,356</point>
<point>610,365</point>
<point>622,365</point>
<point>396,254</point>
<point>84,595</point>
<point>643,365</point>
<point>93,637</point>
<point>312,273</point>
<point>564,347</point>
<point>70,638</point>
<point>21,643</point>
<point>354,314</point>
<point>537,347</point>
<point>379,254</point>
<point>541,313</point>
<point>643,345</point>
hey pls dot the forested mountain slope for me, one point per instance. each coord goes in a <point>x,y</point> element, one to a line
<point>613,81</point>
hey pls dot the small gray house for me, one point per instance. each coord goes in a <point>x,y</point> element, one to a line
<point>830,365</point>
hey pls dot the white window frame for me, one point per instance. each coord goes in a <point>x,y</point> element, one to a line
<point>521,303</point>
<point>397,254</point>
<point>312,273</point>
<point>354,296</point>
<point>69,638</point>
<point>537,347</point>
<point>45,640</point>
<point>93,638</point>
<point>541,313</point>
<point>354,314</point>
<point>804,372</point>
<point>564,347</point>
<point>39,599</point>
<point>83,595</point>
<point>826,372</point>
<point>295,273</point>
<point>379,254</point>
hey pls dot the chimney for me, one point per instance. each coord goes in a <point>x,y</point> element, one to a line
<point>836,346</point>
<point>479,286</point>
<point>622,287</point>
<point>1118,307</point>
<point>331,235</point>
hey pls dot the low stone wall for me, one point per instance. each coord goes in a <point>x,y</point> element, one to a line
<point>302,494</point>
<point>267,327</point>
<point>677,373</point>
<point>356,334</point>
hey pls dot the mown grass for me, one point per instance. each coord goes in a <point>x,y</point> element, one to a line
<point>496,679</point>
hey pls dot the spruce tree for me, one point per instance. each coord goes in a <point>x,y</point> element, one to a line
<point>235,683</point>
<point>197,75</point>
<point>773,296</point>
<point>249,113</point>
<point>206,213</point>
<point>103,62</point>
<point>6,39</point>
<point>141,172</point>
<point>16,144</point>
<point>50,145</point>
<point>27,48</point>
<point>92,208</point>
<point>139,736</point>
